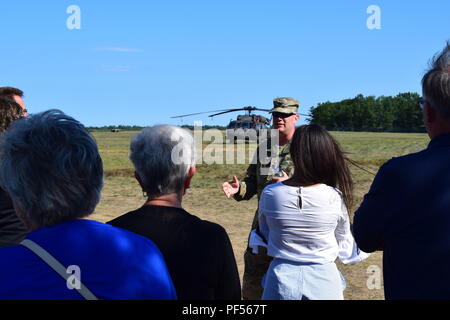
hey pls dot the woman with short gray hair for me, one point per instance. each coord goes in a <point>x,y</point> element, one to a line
<point>164,159</point>
<point>198,253</point>
<point>51,168</point>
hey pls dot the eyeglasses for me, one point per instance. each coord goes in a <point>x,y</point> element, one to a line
<point>282,115</point>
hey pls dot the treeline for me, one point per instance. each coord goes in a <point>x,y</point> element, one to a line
<point>139,128</point>
<point>400,114</point>
<point>120,128</point>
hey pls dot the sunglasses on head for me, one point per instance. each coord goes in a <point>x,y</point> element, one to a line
<point>282,115</point>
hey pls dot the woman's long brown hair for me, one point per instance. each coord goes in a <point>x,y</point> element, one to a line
<point>318,158</point>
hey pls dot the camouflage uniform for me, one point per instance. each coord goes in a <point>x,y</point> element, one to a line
<point>255,181</point>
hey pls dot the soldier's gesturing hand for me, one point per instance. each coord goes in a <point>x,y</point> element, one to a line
<point>231,187</point>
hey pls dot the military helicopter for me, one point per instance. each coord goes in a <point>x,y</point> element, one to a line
<point>245,124</point>
<point>240,128</point>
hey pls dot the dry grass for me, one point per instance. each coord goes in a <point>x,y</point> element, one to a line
<point>206,200</point>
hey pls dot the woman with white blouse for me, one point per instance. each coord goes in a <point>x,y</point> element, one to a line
<point>305,223</point>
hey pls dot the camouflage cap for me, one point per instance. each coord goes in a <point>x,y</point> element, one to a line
<point>285,105</point>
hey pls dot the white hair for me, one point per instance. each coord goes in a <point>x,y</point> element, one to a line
<point>162,156</point>
<point>436,82</point>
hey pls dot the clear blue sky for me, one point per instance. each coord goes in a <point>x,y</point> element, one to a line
<point>139,62</point>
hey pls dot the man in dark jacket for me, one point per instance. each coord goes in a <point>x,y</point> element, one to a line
<point>406,213</point>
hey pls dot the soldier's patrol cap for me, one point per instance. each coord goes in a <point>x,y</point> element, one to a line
<point>285,105</point>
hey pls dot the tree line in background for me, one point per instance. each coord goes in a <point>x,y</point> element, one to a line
<point>116,128</point>
<point>401,113</point>
<point>139,128</point>
<point>396,114</point>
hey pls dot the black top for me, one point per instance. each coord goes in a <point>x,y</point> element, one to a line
<point>12,230</point>
<point>198,253</point>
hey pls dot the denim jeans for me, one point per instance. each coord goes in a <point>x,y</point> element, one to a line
<point>290,280</point>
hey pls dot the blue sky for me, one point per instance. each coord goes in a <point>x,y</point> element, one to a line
<point>140,62</point>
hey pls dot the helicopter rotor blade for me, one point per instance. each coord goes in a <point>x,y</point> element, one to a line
<point>239,109</point>
<point>193,114</point>
<point>227,111</point>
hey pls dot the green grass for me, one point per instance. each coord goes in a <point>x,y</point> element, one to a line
<point>114,149</point>
<point>362,147</point>
<point>377,148</point>
<point>206,200</point>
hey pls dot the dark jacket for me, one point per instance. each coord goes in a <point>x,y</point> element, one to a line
<point>406,214</point>
<point>12,230</point>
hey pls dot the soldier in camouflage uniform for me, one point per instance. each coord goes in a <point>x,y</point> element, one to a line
<point>284,118</point>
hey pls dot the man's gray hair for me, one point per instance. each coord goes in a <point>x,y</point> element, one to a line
<point>51,168</point>
<point>162,156</point>
<point>436,83</point>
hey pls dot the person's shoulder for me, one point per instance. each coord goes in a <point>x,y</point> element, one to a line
<point>206,226</point>
<point>125,234</point>
<point>201,223</point>
<point>13,256</point>
<point>108,235</point>
<point>409,157</point>
<point>123,218</point>
<point>334,194</point>
<point>274,188</point>
<point>403,164</point>
<point>329,189</point>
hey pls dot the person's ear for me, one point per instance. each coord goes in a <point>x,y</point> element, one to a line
<point>187,183</point>
<point>296,118</point>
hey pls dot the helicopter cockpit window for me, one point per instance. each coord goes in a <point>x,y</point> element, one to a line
<point>246,125</point>
<point>231,125</point>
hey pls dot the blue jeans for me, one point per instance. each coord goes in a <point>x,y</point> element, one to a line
<point>289,280</point>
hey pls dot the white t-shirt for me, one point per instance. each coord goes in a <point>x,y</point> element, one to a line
<point>307,224</point>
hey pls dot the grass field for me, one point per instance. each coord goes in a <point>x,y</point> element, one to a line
<point>206,200</point>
